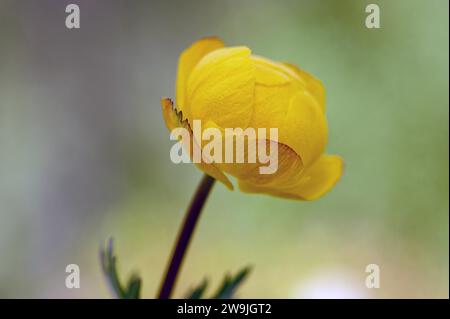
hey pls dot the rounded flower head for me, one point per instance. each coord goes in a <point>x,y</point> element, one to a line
<point>228,87</point>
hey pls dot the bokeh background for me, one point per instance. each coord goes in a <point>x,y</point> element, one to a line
<point>84,152</point>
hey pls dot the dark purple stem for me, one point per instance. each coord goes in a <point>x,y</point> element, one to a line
<point>184,237</point>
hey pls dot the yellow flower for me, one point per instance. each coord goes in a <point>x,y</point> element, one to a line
<point>228,87</point>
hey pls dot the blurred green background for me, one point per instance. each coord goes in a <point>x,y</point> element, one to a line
<point>84,152</point>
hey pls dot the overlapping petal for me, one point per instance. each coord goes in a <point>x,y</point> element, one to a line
<point>221,88</point>
<point>188,60</point>
<point>312,84</point>
<point>313,183</point>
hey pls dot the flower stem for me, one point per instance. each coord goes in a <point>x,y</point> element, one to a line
<point>184,237</point>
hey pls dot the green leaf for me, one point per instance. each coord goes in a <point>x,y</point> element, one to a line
<point>134,288</point>
<point>109,265</point>
<point>197,293</point>
<point>226,291</point>
<point>230,284</point>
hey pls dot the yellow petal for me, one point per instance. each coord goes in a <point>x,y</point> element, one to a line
<point>280,68</point>
<point>320,177</point>
<point>313,183</point>
<point>305,128</point>
<point>313,85</point>
<point>288,164</point>
<point>221,88</point>
<point>173,120</point>
<point>270,73</point>
<point>273,93</point>
<point>213,171</point>
<point>188,60</point>
<point>282,101</point>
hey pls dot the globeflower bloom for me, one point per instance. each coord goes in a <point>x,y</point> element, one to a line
<point>229,87</point>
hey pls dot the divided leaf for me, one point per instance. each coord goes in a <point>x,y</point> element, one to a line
<point>109,266</point>
<point>226,290</point>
